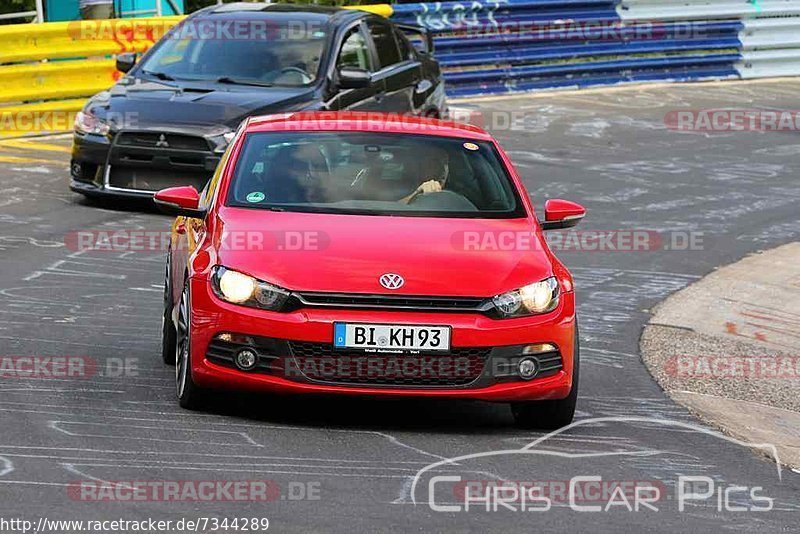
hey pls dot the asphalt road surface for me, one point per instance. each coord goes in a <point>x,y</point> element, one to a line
<point>349,465</point>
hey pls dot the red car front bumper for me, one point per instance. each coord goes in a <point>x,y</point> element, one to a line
<point>211,316</point>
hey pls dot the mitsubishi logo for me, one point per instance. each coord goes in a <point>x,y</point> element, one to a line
<point>392,281</point>
<point>162,142</point>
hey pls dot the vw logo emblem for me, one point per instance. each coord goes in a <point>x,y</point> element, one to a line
<point>392,281</point>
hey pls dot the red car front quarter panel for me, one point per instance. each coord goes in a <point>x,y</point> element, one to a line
<point>211,316</point>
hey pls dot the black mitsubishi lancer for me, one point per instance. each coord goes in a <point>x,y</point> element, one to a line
<point>168,121</point>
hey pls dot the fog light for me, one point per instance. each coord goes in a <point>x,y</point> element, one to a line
<point>539,348</point>
<point>246,359</point>
<point>528,368</point>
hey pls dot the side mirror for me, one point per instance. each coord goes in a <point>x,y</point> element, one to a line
<point>126,61</point>
<point>181,201</point>
<point>560,214</point>
<point>353,78</point>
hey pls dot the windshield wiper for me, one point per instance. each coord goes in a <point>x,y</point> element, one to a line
<point>232,81</point>
<point>160,75</point>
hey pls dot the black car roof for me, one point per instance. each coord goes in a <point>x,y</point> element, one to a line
<point>245,10</point>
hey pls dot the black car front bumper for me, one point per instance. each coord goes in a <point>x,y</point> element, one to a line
<point>137,164</point>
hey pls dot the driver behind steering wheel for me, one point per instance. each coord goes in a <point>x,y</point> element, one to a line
<point>435,170</point>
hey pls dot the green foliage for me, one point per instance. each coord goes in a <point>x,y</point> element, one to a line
<point>12,6</point>
<point>194,5</point>
<point>16,6</point>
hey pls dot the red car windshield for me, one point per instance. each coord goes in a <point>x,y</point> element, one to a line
<point>373,174</point>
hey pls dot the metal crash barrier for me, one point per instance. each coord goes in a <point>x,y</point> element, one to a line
<point>485,47</point>
<point>48,70</point>
<point>492,47</point>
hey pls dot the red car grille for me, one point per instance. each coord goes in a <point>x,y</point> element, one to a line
<point>321,363</point>
<point>400,302</point>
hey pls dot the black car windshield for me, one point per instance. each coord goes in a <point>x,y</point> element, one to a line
<point>260,52</point>
<point>373,174</point>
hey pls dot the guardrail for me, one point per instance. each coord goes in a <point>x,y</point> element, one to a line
<point>47,70</point>
<point>485,46</point>
<point>489,47</point>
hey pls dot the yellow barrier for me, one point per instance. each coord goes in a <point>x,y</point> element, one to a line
<point>56,80</point>
<point>43,117</point>
<point>384,10</point>
<point>58,40</point>
<point>47,62</point>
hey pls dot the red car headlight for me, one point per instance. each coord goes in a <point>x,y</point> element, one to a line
<point>533,299</point>
<point>238,288</point>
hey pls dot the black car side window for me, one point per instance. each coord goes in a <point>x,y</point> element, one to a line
<point>355,52</point>
<point>406,49</point>
<point>385,43</point>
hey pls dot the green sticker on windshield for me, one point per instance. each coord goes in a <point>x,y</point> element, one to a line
<point>256,196</point>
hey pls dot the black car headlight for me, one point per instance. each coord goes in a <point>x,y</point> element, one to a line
<point>87,123</point>
<point>533,299</point>
<point>238,288</point>
<point>222,139</point>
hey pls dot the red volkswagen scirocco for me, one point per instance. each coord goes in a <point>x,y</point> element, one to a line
<point>369,254</point>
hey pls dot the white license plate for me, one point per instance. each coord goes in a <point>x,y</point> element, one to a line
<point>391,337</point>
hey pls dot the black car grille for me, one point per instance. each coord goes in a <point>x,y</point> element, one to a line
<point>149,179</point>
<point>320,362</point>
<point>170,141</point>
<point>345,300</point>
<point>149,161</point>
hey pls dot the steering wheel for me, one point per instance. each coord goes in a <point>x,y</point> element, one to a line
<point>447,199</point>
<point>305,77</point>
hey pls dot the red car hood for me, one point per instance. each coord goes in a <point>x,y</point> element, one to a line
<point>349,253</point>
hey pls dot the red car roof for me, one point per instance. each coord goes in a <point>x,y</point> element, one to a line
<point>360,121</point>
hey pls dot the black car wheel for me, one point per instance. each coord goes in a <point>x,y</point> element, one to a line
<point>550,414</point>
<point>190,396</point>
<point>168,334</point>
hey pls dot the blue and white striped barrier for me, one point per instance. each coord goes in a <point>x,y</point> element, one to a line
<point>519,45</point>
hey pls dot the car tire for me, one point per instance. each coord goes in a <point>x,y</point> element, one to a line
<point>551,414</point>
<point>190,395</point>
<point>168,333</point>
